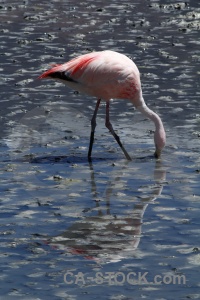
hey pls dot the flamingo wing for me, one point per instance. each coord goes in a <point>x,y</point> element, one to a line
<point>73,68</point>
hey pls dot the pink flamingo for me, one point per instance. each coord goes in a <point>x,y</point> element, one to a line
<point>106,75</point>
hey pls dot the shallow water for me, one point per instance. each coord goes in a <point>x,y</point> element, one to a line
<point>109,229</point>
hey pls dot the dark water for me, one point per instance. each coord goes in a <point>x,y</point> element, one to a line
<point>109,229</point>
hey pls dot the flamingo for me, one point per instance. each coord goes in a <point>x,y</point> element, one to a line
<point>107,75</point>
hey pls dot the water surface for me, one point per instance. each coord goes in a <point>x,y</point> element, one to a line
<point>71,229</point>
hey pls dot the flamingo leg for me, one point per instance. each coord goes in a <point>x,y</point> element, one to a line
<point>93,126</point>
<point>109,126</point>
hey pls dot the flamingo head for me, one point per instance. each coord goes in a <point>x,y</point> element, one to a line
<point>160,140</point>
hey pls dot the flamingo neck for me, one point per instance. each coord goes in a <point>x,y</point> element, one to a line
<point>159,135</point>
<point>152,116</point>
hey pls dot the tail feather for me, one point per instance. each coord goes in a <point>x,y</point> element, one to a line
<point>54,73</point>
<point>62,76</point>
<point>49,72</point>
<point>73,68</point>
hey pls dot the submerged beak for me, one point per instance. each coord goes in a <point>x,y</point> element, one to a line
<point>157,153</point>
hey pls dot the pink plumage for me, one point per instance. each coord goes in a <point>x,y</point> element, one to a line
<point>107,75</point>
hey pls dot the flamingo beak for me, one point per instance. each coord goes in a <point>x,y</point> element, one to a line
<point>157,153</point>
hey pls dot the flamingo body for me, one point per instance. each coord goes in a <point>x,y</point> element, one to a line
<point>107,75</point>
<point>100,74</point>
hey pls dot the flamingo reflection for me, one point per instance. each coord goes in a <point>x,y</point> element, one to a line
<point>107,236</point>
